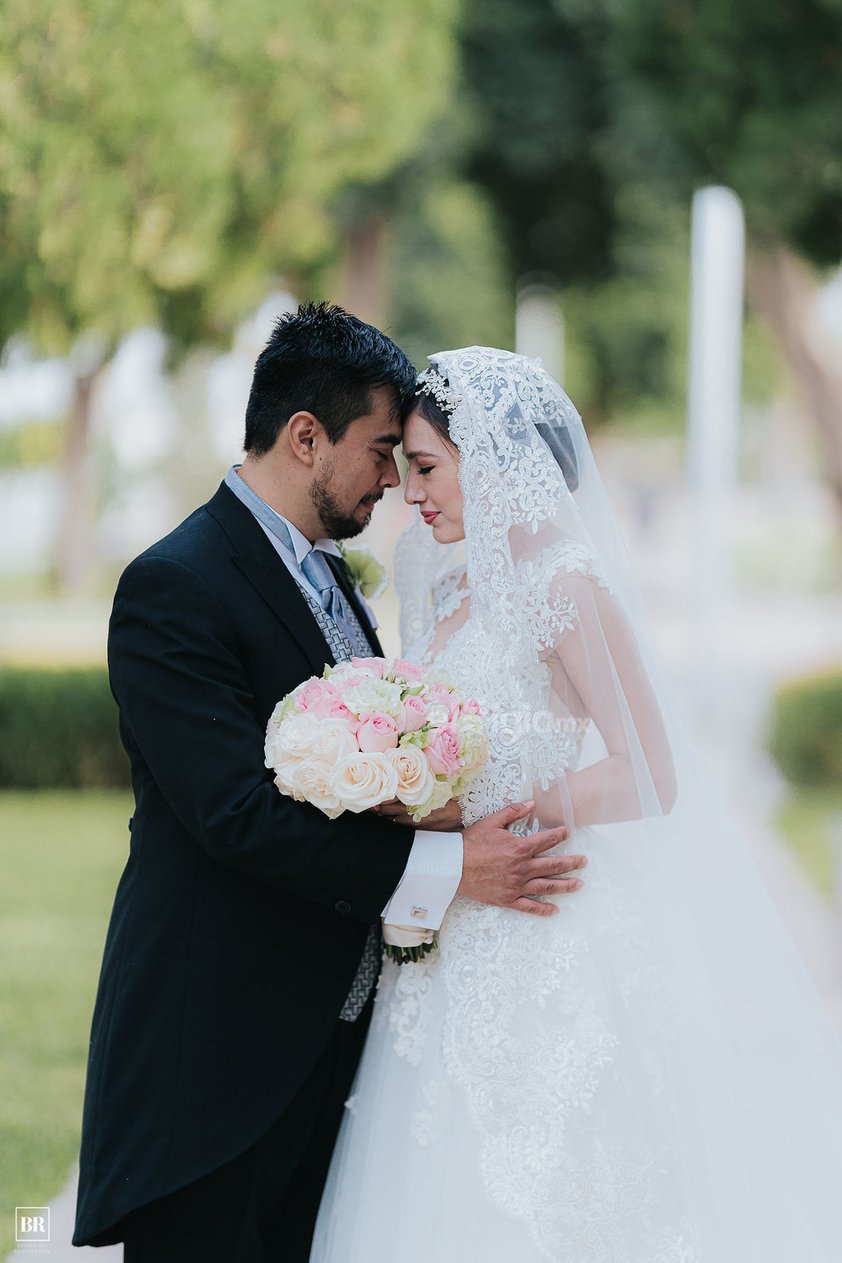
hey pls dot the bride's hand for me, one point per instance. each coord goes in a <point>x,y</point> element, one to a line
<point>446,819</point>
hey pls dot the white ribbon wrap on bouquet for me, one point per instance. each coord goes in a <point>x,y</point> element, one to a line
<point>407,935</point>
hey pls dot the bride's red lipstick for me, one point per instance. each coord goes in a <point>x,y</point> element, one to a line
<point>429,518</point>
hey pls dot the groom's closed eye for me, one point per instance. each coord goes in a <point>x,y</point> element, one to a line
<point>385,447</point>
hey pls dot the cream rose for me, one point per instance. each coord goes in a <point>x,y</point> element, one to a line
<point>361,781</point>
<point>312,783</point>
<point>415,780</point>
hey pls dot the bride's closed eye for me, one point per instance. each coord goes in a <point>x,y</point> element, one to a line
<point>426,469</point>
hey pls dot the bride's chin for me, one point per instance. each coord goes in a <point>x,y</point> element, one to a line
<point>446,533</point>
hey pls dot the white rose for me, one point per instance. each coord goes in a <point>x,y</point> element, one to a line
<point>374,695</point>
<point>437,714</point>
<point>285,775</point>
<point>361,781</point>
<point>311,783</point>
<point>415,778</point>
<point>473,743</point>
<point>292,740</point>
<point>333,739</point>
<point>341,672</point>
<point>442,793</point>
<point>286,706</point>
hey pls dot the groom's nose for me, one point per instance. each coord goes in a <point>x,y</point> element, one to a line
<point>390,476</point>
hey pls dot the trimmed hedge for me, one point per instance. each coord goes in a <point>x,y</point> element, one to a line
<point>58,730</point>
<point>806,731</point>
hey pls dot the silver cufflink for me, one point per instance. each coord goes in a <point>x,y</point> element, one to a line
<point>418,912</point>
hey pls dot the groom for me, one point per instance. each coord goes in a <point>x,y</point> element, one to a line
<point>243,948</point>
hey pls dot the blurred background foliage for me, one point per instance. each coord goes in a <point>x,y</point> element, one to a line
<point>168,163</point>
<point>180,165</point>
<point>175,172</point>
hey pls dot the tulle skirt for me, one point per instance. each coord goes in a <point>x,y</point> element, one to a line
<point>640,1079</point>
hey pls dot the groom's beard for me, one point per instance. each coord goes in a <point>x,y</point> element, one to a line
<point>335,520</point>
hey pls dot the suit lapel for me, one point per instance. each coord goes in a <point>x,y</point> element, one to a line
<point>276,586</point>
<point>350,594</point>
<point>255,557</point>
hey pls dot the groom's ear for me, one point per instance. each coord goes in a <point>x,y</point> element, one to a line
<point>304,431</point>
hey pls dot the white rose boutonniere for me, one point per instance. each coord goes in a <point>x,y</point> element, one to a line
<point>365,570</point>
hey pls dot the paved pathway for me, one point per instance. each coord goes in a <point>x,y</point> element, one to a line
<point>62,1215</point>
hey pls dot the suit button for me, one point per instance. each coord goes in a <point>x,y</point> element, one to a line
<point>343,906</point>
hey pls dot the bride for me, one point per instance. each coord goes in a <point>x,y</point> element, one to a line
<point>647,1076</point>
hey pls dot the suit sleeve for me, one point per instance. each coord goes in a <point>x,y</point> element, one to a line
<point>177,675</point>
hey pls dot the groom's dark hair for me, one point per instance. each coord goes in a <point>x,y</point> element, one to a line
<point>322,360</point>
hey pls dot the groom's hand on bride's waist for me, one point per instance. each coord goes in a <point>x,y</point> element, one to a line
<point>509,871</point>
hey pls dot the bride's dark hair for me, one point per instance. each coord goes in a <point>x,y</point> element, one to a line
<point>556,437</point>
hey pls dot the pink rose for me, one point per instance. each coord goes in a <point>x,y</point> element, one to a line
<point>471,707</point>
<point>376,733</point>
<point>409,670</point>
<point>320,699</point>
<point>413,715</point>
<point>330,708</point>
<point>443,752</point>
<point>376,666</point>
<point>314,691</point>
<point>440,693</point>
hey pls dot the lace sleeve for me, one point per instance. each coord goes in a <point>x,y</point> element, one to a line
<point>597,676</point>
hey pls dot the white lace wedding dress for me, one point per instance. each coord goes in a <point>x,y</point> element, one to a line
<point>498,1113</point>
<point>646,1077</point>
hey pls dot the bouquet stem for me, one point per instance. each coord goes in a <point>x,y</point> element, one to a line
<point>410,955</point>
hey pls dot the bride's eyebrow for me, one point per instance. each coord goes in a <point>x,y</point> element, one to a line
<point>420,455</point>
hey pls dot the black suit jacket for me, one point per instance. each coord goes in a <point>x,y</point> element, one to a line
<point>241,916</point>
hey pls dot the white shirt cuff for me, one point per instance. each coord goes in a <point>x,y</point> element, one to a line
<point>430,880</point>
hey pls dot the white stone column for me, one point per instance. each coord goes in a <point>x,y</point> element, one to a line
<point>714,406</point>
<point>539,325</point>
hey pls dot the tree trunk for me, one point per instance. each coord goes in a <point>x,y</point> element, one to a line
<point>784,291</point>
<point>363,280</point>
<point>75,546</point>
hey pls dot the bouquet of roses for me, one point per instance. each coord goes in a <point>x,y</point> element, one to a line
<point>372,730</point>
<point>369,731</point>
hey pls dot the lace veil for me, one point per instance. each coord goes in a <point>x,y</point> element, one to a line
<point>582,721</point>
<point>547,579</point>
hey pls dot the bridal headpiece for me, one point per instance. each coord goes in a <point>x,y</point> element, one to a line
<point>431,382</point>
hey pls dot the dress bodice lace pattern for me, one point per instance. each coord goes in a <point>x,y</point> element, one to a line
<point>515,1014</point>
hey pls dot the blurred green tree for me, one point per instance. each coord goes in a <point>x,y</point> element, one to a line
<point>590,183</point>
<point>164,162</point>
<point>749,95</point>
<point>584,110</point>
<point>544,149</point>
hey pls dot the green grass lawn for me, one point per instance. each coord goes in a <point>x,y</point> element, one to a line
<point>810,821</point>
<point>61,853</point>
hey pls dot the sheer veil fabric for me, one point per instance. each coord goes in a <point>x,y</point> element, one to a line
<point>648,1077</point>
